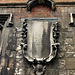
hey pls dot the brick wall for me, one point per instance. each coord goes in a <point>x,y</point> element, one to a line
<point>24,1</point>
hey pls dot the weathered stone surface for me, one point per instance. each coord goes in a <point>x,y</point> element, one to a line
<point>70,54</point>
<point>69,47</point>
<point>62,64</point>
<point>11,40</point>
<point>68,41</point>
<point>70,72</point>
<point>54,64</point>
<point>61,54</point>
<point>67,34</point>
<point>70,63</point>
<point>62,72</point>
<point>52,72</point>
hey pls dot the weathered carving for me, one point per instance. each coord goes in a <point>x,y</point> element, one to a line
<point>32,46</point>
<point>32,3</point>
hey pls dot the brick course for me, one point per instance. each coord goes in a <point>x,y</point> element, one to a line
<point>24,1</point>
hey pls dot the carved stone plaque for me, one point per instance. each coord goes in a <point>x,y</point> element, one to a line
<point>40,41</point>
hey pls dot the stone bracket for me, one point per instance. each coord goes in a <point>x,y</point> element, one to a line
<point>72,23</point>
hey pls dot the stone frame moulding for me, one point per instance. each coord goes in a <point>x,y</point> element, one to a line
<point>32,3</point>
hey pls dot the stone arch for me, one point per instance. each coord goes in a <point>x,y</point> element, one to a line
<point>33,3</point>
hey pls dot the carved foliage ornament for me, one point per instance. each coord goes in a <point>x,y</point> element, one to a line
<point>32,3</point>
<point>40,43</point>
